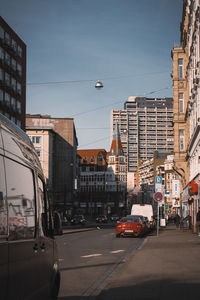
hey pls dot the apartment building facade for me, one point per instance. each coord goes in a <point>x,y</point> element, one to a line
<point>56,144</point>
<point>179,56</point>
<point>12,75</point>
<point>186,82</point>
<point>146,125</point>
<point>193,70</point>
<point>103,179</point>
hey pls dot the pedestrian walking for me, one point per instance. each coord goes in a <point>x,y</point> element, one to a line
<point>198,221</point>
<point>177,220</point>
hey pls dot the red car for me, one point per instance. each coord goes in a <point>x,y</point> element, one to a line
<point>130,226</point>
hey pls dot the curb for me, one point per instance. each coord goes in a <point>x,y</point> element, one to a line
<point>78,230</point>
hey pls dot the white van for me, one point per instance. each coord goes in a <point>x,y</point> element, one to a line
<point>145,210</point>
<point>28,256</point>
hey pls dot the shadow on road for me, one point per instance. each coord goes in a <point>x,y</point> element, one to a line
<point>147,290</point>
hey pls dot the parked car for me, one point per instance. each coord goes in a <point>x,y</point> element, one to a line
<point>101,219</point>
<point>130,226</point>
<point>78,219</point>
<point>114,218</point>
<point>29,263</point>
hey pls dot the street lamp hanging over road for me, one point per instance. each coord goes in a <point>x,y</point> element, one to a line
<point>99,85</point>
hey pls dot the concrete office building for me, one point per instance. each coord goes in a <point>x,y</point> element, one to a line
<point>146,125</point>
<point>12,75</point>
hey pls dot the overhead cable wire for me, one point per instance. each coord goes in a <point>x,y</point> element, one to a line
<point>101,107</point>
<point>93,80</point>
<point>102,139</point>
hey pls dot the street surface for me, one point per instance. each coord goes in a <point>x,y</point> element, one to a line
<point>89,259</point>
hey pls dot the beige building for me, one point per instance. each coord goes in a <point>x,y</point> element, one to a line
<point>56,144</point>
<point>186,81</point>
<point>180,95</point>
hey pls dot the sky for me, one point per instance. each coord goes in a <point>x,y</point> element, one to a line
<point>126,44</point>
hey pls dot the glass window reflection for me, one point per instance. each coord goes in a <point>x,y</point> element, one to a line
<point>21,201</point>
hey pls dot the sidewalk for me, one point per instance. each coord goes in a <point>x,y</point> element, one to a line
<point>167,267</point>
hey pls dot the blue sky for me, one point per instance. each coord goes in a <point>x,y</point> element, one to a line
<point>125,43</point>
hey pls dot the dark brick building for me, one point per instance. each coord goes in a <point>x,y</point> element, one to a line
<point>12,75</point>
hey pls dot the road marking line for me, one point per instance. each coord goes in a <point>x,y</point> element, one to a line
<point>61,259</point>
<point>117,251</point>
<point>91,255</point>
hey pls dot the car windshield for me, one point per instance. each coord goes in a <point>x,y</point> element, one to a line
<point>129,220</point>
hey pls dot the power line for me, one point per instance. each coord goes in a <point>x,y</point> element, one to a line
<point>89,128</point>
<point>101,107</point>
<point>93,80</point>
<point>104,138</point>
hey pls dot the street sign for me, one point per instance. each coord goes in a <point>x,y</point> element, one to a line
<point>158,184</point>
<point>175,189</point>
<point>158,196</point>
<point>159,179</point>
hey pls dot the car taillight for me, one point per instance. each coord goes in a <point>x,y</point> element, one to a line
<point>138,226</point>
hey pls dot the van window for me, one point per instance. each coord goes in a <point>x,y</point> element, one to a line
<point>44,208</point>
<point>3,204</point>
<point>21,201</point>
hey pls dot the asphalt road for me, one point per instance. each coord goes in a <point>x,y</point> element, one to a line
<point>89,259</point>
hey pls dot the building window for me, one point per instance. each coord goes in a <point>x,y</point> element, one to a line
<point>38,152</point>
<point>180,68</point>
<point>14,64</point>
<point>13,102</point>
<point>181,103</point>
<point>1,96</point>
<point>14,45</point>
<point>19,107</point>
<point>7,99</point>
<point>36,139</point>
<point>19,51</point>
<point>92,159</point>
<point>84,160</point>
<point>7,38</point>
<point>19,88</point>
<point>7,79</point>
<point>111,159</point>
<point>7,58</point>
<point>121,158</point>
<point>1,53</point>
<point>181,139</point>
<point>1,33</point>
<point>19,70</point>
<point>1,74</point>
<point>13,83</point>
<point>99,159</point>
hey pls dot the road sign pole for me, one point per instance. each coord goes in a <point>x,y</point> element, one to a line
<point>158,219</point>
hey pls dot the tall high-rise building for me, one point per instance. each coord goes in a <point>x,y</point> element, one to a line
<point>146,125</point>
<point>12,75</point>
